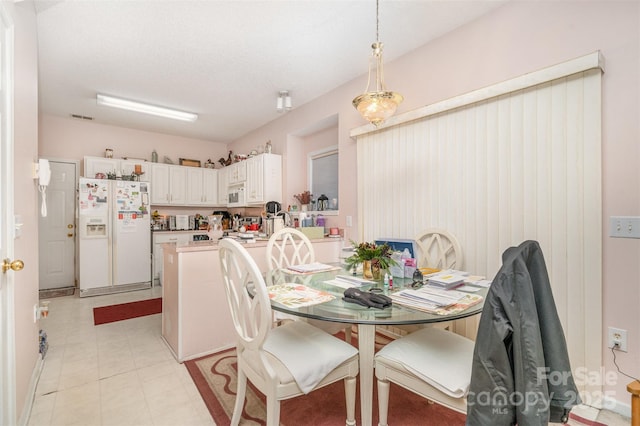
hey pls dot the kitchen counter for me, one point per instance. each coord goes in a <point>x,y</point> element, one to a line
<point>192,246</point>
<point>195,315</point>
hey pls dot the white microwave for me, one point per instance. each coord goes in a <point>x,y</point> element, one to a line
<point>236,196</point>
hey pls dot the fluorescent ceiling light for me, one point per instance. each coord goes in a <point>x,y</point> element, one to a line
<point>145,108</point>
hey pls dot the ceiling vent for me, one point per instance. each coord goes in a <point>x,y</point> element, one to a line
<point>81,117</point>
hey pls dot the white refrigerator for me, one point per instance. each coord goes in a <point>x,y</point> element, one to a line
<point>115,236</point>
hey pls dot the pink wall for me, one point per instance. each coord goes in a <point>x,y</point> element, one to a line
<point>72,139</point>
<point>515,39</point>
<point>25,199</point>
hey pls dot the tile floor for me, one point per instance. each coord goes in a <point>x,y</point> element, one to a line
<point>122,374</point>
<point>112,374</point>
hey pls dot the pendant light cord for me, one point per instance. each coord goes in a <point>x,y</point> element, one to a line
<point>377,21</point>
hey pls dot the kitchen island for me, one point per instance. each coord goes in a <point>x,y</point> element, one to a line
<point>195,316</point>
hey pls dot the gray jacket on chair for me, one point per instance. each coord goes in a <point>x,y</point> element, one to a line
<point>521,373</point>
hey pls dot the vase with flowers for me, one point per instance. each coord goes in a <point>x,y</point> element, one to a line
<point>304,198</point>
<point>374,258</point>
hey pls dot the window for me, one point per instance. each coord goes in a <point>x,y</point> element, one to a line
<point>323,175</point>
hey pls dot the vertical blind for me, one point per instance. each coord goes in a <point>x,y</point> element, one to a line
<point>495,172</point>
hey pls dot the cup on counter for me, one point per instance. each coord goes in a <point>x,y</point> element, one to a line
<point>334,231</point>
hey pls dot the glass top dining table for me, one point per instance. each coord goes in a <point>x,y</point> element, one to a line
<point>340,311</point>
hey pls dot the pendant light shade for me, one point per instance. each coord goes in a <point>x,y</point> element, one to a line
<point>377,105</point>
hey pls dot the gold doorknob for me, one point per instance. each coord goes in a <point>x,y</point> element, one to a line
<point>16,265</point>
<point>69,235</point>
<point>70,226</point>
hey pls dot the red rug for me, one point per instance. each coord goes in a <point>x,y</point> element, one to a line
<point>215,377</point>
<point>124,311</point>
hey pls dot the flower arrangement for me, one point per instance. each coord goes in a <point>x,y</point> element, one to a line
<point>378,255</point>
<point>303,198</point>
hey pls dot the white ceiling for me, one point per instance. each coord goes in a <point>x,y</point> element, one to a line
<point>224,60</point>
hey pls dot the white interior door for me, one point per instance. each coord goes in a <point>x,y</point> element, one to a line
<point>7,347</point>
<point>57,231</point>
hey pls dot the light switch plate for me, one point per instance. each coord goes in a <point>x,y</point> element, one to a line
<point>624,226</point>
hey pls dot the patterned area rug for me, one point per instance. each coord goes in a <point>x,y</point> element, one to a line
<point>215,377</point>
<point>124,311</point>
<point>56,292</point>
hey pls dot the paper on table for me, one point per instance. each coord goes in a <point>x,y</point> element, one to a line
<point>309,268</point>
<point>297,295</point>
<point>346,281</point>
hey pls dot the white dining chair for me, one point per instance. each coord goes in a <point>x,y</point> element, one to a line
<point>433,363</point>
<point>438,249</point>
<point>281,362</point>
<point>289,247</point>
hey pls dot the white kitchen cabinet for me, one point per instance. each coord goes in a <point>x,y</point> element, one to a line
<point>264,178</point>
<point>210,187</point>
<point>202,187</point>
<point>194,187</point>
<point>168,184</point>
<point>160,183</point>
<point>223,187</point>
<point>236,172</point>
<point>118,166</point>
<point>177,185</point>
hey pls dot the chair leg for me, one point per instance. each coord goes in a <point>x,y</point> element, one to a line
<point>273,411</point>
<point>240,395</point>
<point>383,402</point>
<point>350,398</point>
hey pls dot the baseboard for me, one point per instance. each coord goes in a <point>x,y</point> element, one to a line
<point>31,392</point>
<point>616,406</point>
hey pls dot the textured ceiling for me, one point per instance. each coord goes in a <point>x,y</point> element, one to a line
<point>224,60</point>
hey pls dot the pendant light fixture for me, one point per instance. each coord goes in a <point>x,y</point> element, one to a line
<point>380,104</point>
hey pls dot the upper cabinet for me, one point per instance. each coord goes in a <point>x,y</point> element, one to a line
<point>183,186</point>
<point>236,172</point>
<point>264,178</point>
<point>223,187</point>
<point>202,187</point>
<point>117,166</point>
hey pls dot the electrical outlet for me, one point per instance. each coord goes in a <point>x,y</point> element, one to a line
<point>617,339</point>
<point>624,227</point>
<point>349,221</point>
<point>36,313</point>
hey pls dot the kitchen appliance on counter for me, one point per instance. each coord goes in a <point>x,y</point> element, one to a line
<point>182,222</point>
<point>274,221</point>
<point>115,236</point>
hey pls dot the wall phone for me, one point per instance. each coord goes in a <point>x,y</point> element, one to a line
<point>44,178</point>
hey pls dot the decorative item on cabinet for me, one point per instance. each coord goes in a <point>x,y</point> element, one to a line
<point>154,156</point>
<point>108,153</point>
<point>268,147</point>
<point>228,161</point>
<point>189,163</point>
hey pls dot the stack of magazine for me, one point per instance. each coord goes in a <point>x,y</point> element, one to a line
<point>446,280</point>
<point>435,300</point>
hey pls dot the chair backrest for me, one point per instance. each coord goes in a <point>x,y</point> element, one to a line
<point>252,317</point>
<point>288,247</point>
<point>438,249</point>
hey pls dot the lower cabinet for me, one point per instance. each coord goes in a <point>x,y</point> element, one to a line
<point>160,238</point>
